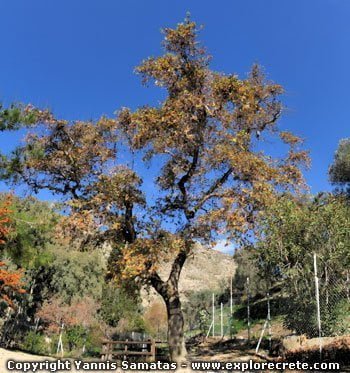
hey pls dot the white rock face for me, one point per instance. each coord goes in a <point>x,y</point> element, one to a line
<point>207,269</point>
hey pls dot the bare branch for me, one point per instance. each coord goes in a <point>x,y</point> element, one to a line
<point>210,192</point>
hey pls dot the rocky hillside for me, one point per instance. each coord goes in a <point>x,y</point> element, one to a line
<point>208,269</point>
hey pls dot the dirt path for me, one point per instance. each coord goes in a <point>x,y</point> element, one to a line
<point>6,355</point>
<point>205,355</point>
<point>18,356</point>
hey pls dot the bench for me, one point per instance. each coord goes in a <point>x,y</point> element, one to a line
<point>111,349</point>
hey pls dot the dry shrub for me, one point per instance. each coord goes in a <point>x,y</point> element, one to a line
<point>156,318</point>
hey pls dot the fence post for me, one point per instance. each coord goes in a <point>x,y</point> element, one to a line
<point>317,294</point>
<point>222,320</point>
<point>211,325</point>
<point>213,315</point>
<point>261,336</point>
<point>269,318</point>
<point>60,342</point>
<point>248,307</point>
<point>153,349</point>
<point>231,296</point>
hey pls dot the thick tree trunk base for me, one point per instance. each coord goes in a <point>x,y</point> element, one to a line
<point>176,340</point>
<point>170,294</point>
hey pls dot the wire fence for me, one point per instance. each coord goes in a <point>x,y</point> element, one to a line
<point>314,303</point>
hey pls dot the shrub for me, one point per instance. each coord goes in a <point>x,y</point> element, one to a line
<point>35,343</point>
<point>76,337</point>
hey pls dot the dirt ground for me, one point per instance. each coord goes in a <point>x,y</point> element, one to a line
<point>236,350</point>
<point>204,353</point>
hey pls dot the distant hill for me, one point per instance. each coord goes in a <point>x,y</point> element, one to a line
<point>207,269</point>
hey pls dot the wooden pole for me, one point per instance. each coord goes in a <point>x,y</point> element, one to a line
<point>126,350</point>
<point>153,349</point>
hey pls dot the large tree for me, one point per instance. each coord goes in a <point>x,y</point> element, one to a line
<point>204,142</point>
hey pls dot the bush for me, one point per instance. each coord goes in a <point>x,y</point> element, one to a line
<point>120,309</point>
<point>197,310</point>
<point>156,319</point>
<point>76,337</point>
<point>94,341</point>
<point>35,343</point>
<point>337,320</point>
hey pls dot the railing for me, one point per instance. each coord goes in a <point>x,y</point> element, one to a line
<point>111,349</point>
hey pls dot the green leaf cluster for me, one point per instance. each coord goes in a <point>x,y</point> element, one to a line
<point>117,305</point>
<point>339,171</point>
<point>31,237</point>
<point>76,274</point>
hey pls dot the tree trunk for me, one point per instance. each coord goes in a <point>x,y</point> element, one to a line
<point>170,294</point>
<point>176,341</point>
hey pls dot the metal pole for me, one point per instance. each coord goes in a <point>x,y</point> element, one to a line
<point>261,336</point>
<point>231,300</point>
<point>213,315</point>
<point>222,320</point>
<point>317,293</point>
<point>269,318</point>
<point>60,342</point>
<point>248,308</point>
<point>211,325</point>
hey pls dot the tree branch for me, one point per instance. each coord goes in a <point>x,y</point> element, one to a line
<point>210,192</point>
<point>177,267</point>
<point>129,229</point>
<point>185,178</point>
<point>159,285</point>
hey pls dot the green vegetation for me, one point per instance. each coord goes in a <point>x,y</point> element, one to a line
<point>61,283</point>
<point>73,272</point>
<point>339,171</point>
<point>32,225</point>
<point>292,230</point>
<point>35,343</point>
<point>120,308</point>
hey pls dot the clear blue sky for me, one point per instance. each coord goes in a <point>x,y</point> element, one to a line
<point>77,57</point>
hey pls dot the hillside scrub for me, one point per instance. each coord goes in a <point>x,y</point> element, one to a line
<point>292,230</point>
